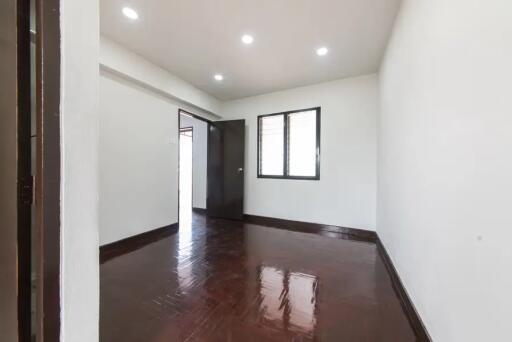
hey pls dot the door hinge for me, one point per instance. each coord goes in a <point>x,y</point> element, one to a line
<point>27,191</point>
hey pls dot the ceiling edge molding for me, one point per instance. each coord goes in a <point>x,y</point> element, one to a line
<point>124,63</point>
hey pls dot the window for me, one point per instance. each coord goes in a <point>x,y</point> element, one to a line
<point>289,145</point>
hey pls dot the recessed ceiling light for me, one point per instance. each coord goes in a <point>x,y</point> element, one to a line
<point>247,39</point>
<point>322,51</point>
<point>218,77</point>
<point>130,13</point>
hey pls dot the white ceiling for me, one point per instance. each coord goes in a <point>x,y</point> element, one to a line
<point>194,39</point>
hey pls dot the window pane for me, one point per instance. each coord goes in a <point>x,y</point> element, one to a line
<point>302,144</point>
<point>271,145</point>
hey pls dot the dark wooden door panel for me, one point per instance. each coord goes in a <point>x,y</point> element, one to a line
<point>15,180</point>
<point>226,149</point>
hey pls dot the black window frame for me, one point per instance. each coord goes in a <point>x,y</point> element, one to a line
<point>286,134</point>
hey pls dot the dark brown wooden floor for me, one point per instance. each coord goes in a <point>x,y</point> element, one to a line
<point>219,280</point>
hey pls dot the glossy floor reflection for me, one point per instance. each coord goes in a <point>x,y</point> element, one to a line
<point>220,280</point>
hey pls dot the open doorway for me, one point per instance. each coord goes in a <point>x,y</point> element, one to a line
<point>193,159</point>
<point>186,174</point>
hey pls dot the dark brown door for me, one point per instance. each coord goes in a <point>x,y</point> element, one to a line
<point>15,179</point>
<point>226,147</point>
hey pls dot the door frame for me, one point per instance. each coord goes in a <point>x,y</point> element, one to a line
<point>48,177</point>
<point>208,122</point>
<point>47,181</point>
<point>24,172</point>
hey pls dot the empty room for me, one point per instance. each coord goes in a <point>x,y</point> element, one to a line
<point>232,170</point>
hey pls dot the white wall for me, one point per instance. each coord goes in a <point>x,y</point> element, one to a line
<point>139,105</point>
<point>138,159</point>
<point>79,171</point>
<point>346,192</point>
<point>445,164</point>
<point>199,159</point>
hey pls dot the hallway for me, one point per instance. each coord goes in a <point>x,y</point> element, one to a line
<point>220,280</point>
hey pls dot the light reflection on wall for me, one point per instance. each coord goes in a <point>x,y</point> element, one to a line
<point>288,299</point>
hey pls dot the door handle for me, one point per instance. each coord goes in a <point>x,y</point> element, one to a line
<point>240,170</point>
